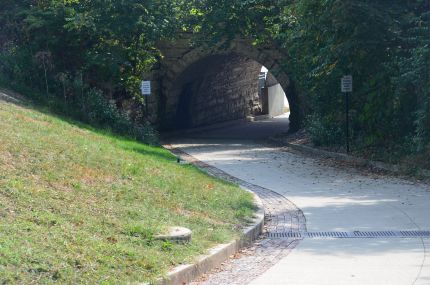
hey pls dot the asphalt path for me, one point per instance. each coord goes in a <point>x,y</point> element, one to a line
<point>333,199</point>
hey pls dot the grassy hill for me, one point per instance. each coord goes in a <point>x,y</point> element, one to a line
<point>79,206</point>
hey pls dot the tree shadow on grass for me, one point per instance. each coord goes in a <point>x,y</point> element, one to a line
<point>139,148</point>
<point>126,143</point>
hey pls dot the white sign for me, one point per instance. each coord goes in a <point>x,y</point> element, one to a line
<point>145,87</point>
<point>346,84</point>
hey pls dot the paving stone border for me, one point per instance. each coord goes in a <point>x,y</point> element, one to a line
<point>184,274</point>
<point>281,216</point>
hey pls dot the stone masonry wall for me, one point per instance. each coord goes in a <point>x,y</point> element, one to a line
<point>171,77</point>
<point>216,89</point>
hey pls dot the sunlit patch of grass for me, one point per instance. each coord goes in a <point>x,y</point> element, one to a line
<point>79,206</point>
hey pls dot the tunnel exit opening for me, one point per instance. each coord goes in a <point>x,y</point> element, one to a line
<point>275,101</point>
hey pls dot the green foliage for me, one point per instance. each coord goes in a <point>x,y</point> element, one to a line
<point>97,111</point>
<point>323,132</point>
<point>167,246</point>
<point>110,45</point>
<point>383,47</point>
<point>140,231</point>
<point>81,51</point>
<point>383,44</point>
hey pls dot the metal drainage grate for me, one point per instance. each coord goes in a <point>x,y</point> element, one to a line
<point>355,234</point>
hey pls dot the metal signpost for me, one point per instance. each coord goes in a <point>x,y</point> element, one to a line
<point>346,86</point>
<point>145,88</point>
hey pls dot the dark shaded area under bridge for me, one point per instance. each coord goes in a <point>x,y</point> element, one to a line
<point>217,89</point>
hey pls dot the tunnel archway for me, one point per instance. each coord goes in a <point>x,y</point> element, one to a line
<point>186,68</point>
<point>220,88</point>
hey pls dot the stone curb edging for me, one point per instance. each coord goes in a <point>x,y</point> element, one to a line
<point>186,273</point>
<point>284,216</point>
<point>396,169</point>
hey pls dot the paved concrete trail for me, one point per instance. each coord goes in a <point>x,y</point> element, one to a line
<point>332,199</point>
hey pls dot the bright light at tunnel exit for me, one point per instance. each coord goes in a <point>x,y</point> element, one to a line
<point>286,103</point>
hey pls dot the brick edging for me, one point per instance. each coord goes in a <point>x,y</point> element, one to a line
<point>186,273</point>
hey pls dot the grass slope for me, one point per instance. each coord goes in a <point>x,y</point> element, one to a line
<point>80,207</point>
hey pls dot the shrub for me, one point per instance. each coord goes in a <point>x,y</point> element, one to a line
<point>324,131</point>
<point>94,109</point>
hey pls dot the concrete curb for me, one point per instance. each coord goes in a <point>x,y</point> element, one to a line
<point>392,168</point>
<point>186,273</point>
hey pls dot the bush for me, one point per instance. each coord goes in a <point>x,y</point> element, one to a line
<point>75,67</point>
<point>93,108</point>
<point>69,96</point>
<point>324,131</point>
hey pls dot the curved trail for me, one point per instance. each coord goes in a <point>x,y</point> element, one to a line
<point>281,216</point>
<point>360,227</point>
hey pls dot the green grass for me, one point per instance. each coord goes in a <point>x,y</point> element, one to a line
<point>81,207</point>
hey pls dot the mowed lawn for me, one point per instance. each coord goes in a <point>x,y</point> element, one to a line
<point>81,207</point>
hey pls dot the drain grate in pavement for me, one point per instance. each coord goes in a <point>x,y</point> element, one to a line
<point>355,234</point>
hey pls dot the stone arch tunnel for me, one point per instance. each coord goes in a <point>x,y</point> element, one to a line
<point>206,84</point>
<point>214,89</point>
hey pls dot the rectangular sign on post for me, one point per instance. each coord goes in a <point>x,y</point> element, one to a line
<point>145,87</point>
<point>346,84</point>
